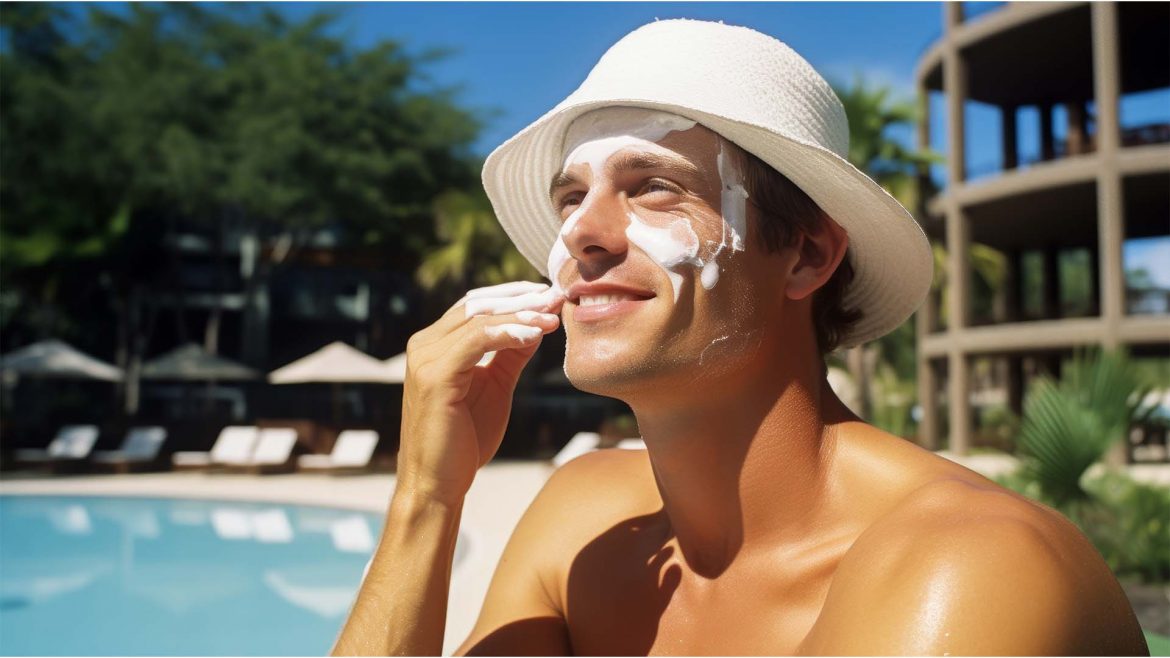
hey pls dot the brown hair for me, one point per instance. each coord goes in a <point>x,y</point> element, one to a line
<point>786,211</point>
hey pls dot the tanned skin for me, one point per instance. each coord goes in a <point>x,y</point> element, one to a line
<point>764,518</point>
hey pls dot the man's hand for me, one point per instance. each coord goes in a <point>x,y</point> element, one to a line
<point>453,417</point>
<point>455,411</point>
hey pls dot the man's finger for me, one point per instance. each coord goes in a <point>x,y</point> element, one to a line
<point>457,314</point>
<point>509,289</point>
<point>532,301</point>
<point>482,334</point>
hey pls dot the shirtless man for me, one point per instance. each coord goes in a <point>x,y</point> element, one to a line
<point>700,286</point>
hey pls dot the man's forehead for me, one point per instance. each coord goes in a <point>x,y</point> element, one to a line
<point>647,125</point>
<point>624,138</point>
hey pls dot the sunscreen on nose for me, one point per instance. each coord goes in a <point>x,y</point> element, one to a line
<point>595,137</point>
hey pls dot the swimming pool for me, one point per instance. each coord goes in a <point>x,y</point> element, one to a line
<point>97,576</point>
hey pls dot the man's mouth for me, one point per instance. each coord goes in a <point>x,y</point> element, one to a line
<point>595,300</point>
<point>603,300</point>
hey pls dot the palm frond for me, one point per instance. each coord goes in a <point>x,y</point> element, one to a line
<point>1069,425</point>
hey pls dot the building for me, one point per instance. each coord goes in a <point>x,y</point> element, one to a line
<point>1104,183</point>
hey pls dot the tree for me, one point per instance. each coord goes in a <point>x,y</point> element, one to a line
<point>475,250</point>
<point>120,125</point>
<point>872,113</point>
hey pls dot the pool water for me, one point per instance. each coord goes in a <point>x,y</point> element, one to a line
<point>96,576</point>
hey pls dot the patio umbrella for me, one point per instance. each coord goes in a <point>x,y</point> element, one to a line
<point>337,364</point>
<point>56,359</point>
<point>192,363</point>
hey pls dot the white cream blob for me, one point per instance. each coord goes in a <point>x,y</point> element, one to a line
<point>671,247</point>
<point>559,254</point>
<point>595,137</point>
<point>733,205</point>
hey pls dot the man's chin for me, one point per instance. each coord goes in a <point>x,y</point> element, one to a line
<point>612,375</point>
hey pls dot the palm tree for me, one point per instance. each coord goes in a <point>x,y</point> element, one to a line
<point>872,112</point>
<point>475,251</point>
<point>1069,424</point>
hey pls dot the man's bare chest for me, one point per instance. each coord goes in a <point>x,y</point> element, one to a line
<point>639,598</point>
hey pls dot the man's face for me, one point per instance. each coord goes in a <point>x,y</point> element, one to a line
<point>664,283</point>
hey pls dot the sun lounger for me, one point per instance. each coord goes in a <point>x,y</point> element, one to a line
<point>72,445</point>
<point>273,453</point>
<point>139,450</point>
<point>581,443</point>
<point>351,453</point>
<point>234,446</point>
<point>631,444</point>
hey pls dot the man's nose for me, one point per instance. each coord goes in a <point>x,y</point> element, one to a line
<point>596,232</point>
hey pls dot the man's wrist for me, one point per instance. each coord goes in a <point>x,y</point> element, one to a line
<point>414,498</point>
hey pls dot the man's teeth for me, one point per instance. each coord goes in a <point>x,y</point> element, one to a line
<point>593,300</point>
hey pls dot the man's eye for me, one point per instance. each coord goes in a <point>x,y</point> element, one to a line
<point>659,186</point>
<point>573,198</point>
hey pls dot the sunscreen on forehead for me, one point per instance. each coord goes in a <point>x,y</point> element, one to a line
<point>595,137</point>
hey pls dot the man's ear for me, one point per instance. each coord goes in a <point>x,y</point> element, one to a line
<point>818,255</point>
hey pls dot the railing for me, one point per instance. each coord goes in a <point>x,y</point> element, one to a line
<point>975,10</point>
<point>1153,133</point>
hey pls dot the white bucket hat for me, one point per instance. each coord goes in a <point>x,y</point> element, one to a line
<point>761,95</point>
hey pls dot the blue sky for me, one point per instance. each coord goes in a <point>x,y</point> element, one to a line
<point>523,58</point>
<point>520,59</point>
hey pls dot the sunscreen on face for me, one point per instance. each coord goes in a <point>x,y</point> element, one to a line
<point>595,137</point>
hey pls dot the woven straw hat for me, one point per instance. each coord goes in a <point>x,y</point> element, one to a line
<point>761,95</point>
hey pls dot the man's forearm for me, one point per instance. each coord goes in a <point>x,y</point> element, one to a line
<point>401,608</point>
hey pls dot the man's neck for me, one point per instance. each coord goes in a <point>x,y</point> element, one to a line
<point>745,469</point>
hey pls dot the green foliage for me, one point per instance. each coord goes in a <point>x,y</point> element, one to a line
<point>1133,534</point>
<point>872,112</point>
<point>1069,425</point>
<point>475,251</point>
<point>988,267</point>
<point>117,122</point>
<point>1127,521</point>
<point>884,378</point>
<point>892,404</point>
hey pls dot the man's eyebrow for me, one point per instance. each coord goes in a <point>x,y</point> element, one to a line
<point>563,179</point>
<point>633,161</point>
<point>642,160</point>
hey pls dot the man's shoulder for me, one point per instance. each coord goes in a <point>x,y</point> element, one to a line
<point>595,490</point>
<point>943,519</point>
<point>964,566</point>
<point>608,481</point>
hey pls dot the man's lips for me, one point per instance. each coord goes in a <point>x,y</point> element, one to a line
<point>597,292</point>
<point>602,300</point>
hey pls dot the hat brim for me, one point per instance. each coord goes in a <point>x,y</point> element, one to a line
<point>890,254</point>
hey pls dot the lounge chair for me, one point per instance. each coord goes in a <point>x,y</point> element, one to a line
<point>351,453</point>
<point>233,446</point>
<point>273,453</point>
<point>631,444</point>
<point>581,443</point>
<point>71,446</point>
<point>139,450</point>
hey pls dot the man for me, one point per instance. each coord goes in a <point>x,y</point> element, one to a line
<point>707,245</point>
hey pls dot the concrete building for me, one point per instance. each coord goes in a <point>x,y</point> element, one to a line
<point>1101,185</point>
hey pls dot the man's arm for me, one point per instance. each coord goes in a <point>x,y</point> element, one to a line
<point>987,586</point>
<point>454,413</point>
<point>401,607</point>
<point>521,614</point>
